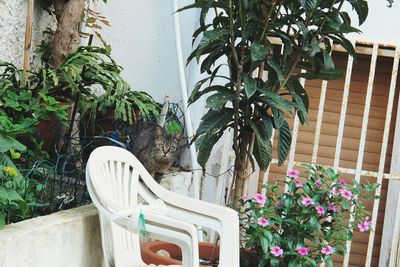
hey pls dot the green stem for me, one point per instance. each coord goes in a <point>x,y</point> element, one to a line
<point>267,21</point>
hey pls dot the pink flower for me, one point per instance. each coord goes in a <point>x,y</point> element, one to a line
<point>346,194</point>
<point>303,251</point>
<point>318,182</point>
<point>342,182</point>
<point>328,250</point>
<point>260,199</point>
<point>335,191</point>
<point>277,251</point>
<point>331,207</point>
<point>307,201</point>
<point>263,222</point>
<point>298,183</point>
<point>364,226</point>
<point>293,173</point>
<point>320,210</point>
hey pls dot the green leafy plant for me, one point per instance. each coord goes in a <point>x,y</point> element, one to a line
<point>92,79</point>
<point>242,32</point>
<point>17,194</point>
<point>23,104</point>
<point>306,225</point>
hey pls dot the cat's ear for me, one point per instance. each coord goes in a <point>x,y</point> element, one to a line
<point>159,132</point>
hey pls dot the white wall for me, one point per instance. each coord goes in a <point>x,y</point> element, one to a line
<point>64,239</point>
<point>382,23</point>
<point>143,43</point>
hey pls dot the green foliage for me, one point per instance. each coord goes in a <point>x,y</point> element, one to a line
<point>241,31</point>
<point>17,194</point>
<point>23,104</point>
<point>173,127</point>
<point>311,215</point>
<point>90,67</point>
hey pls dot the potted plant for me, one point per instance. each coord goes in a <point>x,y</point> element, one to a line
<point>26,103</point>
<point>240,33</point>
<point>306,225</point>
<point>92,80</point>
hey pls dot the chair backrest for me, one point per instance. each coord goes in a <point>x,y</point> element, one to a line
<point>119,172</point>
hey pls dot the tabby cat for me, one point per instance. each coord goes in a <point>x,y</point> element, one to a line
<point>155,149</point>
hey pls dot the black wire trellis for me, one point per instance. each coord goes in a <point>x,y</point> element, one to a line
<point>62,179</point>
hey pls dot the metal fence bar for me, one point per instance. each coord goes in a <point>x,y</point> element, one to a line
<point>343,112</point>
<point>382,159</point>
<point>363,137</point>
<point>319,121</point>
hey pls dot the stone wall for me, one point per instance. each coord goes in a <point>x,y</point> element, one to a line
<point>12,30</point>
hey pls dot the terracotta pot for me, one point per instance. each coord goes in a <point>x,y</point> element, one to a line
<point>149,252</point>
<point>49,131</point>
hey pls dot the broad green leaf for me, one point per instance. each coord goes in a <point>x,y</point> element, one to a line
<point>218,35</point>
<point>361,7</point>
<point>264,244</point>
<point>308,4</point>
<point>218,100</point>
<point>274,100</point>
<point>278,118</point>
<point>345,43</point>
<point>300,98</point>
<point>215,120</point>
<point>314,220</point>
<point>328,62</point>
<point>196,94</point>
<point>204,144</point>
<point>250,85</point>
<point>258,52</point>
<point>277,69</point>
<point>6,143</point>
<point>262,129</point>
<point>263,153</point>
<point>284,142</point>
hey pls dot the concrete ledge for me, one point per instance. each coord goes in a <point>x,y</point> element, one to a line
<point>68,238</point>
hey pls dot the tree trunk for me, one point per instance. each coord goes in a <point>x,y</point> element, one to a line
<point>66,38</point>
<point>240,168</point>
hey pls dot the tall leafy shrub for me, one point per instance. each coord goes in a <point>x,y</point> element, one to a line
<point>241,32</point>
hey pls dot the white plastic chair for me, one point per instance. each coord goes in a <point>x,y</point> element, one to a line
<point>113,166</point>
<point>119,219</point>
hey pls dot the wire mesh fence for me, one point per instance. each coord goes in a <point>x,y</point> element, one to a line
<point>60,182</point>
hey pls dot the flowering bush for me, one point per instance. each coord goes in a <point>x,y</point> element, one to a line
<point>305,225</point>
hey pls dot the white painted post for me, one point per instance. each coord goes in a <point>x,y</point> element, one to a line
<point>391,228</point>
<point>383,156</point>
<point>363,137</point>
<point>343,111</point>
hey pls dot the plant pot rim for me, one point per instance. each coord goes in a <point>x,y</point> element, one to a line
<point>149,252</point>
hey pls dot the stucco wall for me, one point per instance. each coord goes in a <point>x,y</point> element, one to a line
<point>12,29</point>
<point>143,42</point>
<point>65,239</point>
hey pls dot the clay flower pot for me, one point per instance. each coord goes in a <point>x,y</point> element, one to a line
<point>149,252</point>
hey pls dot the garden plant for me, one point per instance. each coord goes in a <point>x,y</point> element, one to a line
<point>241,33</point>
<point>307,224</point>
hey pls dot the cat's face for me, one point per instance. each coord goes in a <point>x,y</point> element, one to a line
<point>165,148</point>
